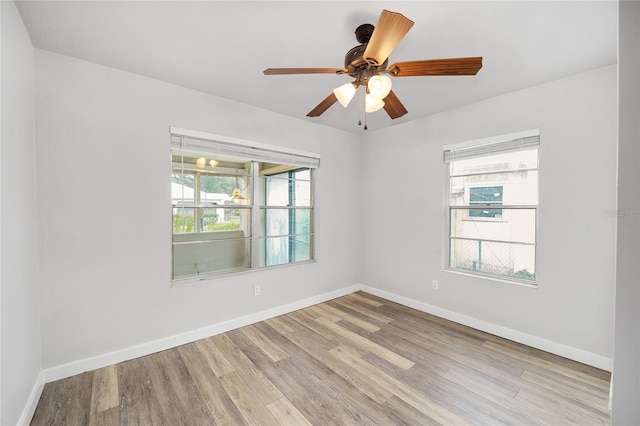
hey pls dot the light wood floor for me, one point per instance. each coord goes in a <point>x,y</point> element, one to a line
<point>355,360</point>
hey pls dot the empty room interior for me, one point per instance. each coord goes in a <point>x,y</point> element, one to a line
<point>301,212</point>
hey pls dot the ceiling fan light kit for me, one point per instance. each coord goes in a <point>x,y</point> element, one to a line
<point>345,93</point>
<point>372,104</point>
<point>367,63</point>
<point>379,86</point>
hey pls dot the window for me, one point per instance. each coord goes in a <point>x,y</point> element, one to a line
<point>485,196</point>
<point>286,217</point>
<point>492,207</point>
<point>235,211</point>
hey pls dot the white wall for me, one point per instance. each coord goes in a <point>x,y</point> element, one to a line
<point>103,152</point>
<point>403,238</point>
<point>20,359</point>
<point>626,367</point>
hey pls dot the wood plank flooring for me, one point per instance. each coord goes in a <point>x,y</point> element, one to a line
<point>355,360</point>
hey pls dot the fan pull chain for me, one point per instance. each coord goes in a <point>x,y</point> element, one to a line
<point>359,110</point>
<point>364,107</point>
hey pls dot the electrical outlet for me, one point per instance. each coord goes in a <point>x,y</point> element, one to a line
<point>434,285</point>
<point>256,290</point>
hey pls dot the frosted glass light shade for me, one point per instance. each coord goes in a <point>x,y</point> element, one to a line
<point>345,93</point>
<point>201,162</point>
<point>379,86</point>
<point>372,104</point>
<point>213,163</point>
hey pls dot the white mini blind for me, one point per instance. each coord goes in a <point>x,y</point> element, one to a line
<point>481,150</point>
<point>204,143</point>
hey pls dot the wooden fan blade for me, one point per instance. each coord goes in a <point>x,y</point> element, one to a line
<point>279,71</point>
<point>390,30</point>
<point>453,66</point>
<point>323,106</point>
<point>393,106</point>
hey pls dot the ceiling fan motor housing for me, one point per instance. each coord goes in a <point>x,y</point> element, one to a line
<point>357,67</point>
<point>354,62</point>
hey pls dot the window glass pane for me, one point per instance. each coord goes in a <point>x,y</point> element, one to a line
<point>183,220</point>
<point>275,221</point>
<point>292,188</point>
<point>217,189</point>
<point>301,221</point>
<point>201,258</point>
<point>499,258</point>
<point>510,161</point>
<point>182,187</point>
<point>517,225</point>
<point>224,219</point>
<point>301,249</point>
<point>515,172</point>
<point>277,190</point>
<point>182,197</point>
<point>282,250</point>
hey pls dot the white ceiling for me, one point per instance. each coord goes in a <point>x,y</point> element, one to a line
<point>222,47</point>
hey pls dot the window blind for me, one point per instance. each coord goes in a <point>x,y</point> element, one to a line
<point>198,142</point>
<point>519,144</point>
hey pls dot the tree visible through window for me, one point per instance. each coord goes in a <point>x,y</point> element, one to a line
<point>233,214</point>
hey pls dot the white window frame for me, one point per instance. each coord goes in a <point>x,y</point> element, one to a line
<point>255,152</point>
<point>265,207</point>
<point>524,140</point>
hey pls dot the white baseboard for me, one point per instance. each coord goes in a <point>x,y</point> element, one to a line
<point>570,352</point>
<point>88,364</point>
<point>32,401</point>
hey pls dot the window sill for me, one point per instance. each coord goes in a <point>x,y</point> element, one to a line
<point>484,219</point>
<point>183,282</point>
<point>497,278</point>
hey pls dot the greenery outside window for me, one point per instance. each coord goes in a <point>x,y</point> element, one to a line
<point>211,230</point>
<point>233,212</point>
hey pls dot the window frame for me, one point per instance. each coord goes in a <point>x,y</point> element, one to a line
<point>253,153</point>
<point>197,204</point>
<point>291,209</point>
<point>446,212</point>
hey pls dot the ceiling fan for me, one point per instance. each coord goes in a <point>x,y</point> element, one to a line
<point>368,64</point>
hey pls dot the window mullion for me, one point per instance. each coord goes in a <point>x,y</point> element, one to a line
<point>292,202</point>
<point>255,216</point>
<point>196,199</point>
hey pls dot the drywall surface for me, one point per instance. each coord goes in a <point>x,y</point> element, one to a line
<point>20,365</point>
<point>105,210</point>
<point>625,409</point>
<point>403,211</point>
